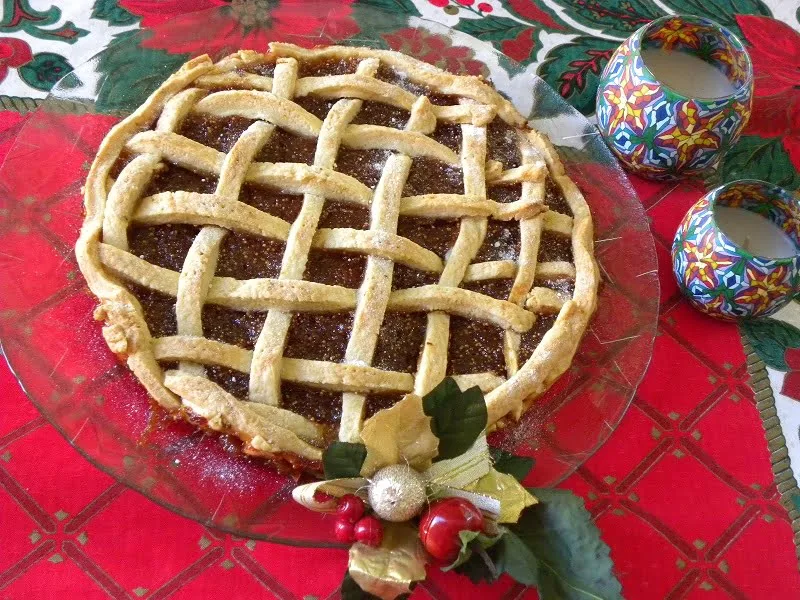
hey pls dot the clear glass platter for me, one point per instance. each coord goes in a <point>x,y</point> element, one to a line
<point>57,352</point>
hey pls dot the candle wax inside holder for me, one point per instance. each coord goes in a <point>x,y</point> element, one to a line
<point>687,75</point>
<point>754,233</point>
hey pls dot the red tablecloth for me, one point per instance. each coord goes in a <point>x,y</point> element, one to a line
<point>682,491</point>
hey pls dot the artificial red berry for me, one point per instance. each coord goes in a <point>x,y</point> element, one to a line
<point>322,497</point>
<point>344,531</point>
<point>369,531</point>
<point>440,524</point>
<point>465,2</point>
<point>484,7</point>
<point>439,3</point>
<point>351,508</point>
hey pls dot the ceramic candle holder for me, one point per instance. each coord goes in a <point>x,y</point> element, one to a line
<point>723,279</point>
<point>658,132</point>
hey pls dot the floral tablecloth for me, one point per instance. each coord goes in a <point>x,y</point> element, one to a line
<point>688,492</point>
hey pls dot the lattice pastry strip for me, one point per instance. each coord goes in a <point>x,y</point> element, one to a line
<point>232,90</point>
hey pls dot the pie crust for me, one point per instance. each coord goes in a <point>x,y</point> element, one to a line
<point>553,298</point>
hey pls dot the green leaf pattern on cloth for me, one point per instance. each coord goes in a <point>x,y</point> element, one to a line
<point>130,73</point>
<point>19,15</point>
<point>574,70</point>
<point>770,338</point>
<point>754,157</point>
<point>109,10</point>
<point>44,70</point>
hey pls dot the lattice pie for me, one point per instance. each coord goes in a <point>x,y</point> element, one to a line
<point>284,244</point>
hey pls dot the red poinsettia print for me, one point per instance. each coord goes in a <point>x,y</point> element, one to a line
<point>775,52</point>
<point>436,50</point>
<point>791,382</point>
<point>13,53</point>
<point>242,23</point>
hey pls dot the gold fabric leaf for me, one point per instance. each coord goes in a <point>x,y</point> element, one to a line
<point>389,570</point>
<point>512,496</point>
<point>399,435</point>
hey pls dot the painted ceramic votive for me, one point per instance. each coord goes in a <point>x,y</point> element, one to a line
<point>737,251</point>
<point>675,97</point>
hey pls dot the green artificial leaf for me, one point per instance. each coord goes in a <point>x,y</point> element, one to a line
<point>492,29</point>
<point>770,338</point>
<point>476,569</point>
<point>111,11</point>
<point>754,157</point>
<point>130,72</point>
<point>574,69</point>
<point>390,15</point>
<point>343,459</point>
<point>574,563</point>
<point>457,418</point>
<point>514,557</point>
<point>350,590</point>
<point>510,464</point>
<point>469,541</point>
<point>615,18</point>
<point>405,7</point>
<point>723,13</point>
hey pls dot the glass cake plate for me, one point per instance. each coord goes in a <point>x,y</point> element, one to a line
<point>58,354</point>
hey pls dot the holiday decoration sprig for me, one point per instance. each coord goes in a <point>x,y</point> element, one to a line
<point>423,487</point>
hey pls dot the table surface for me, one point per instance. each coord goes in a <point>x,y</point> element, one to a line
<point>683,491</point>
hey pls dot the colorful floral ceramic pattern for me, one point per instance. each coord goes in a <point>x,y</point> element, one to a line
<point>719,277</point>
<point>657,132</point>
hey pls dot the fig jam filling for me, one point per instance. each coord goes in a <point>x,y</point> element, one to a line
<point>327,66</point>
<point>343,214</point>
<point>320,406</point>
<point>271,200</point>
<point>474,347</point>
<point>234,382</point>
<point>430,176</point>
<point>502,241</point>
<point>407,277</point>
<point>316,105</point>
<point>264,69</point>
<point>215,132</point>
<point>555,246</point>
<point>245,256</point>
<point>234,327</point>
<point>502,144</point>
<point>400,341</point>
<point>158,308</point>
<point>284,146</point>
<point>448,134</point>
<point>336,268</point>
<point>378,113</point>
<point>162,245</point>
<point>319,336</point>
<point>554,197</point>
<point>437,235</point>
<point>531,338</point>
<point>505,193</point>
<point>172,178</point>
<point>364,165</point>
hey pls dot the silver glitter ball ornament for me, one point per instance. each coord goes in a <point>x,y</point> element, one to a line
<point>397,493</point>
